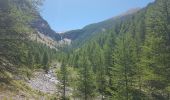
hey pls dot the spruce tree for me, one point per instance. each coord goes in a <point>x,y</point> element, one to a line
<point>45,62</point>
<point>124,56</point>
<point>155,52</point>
<point>87,85</point>
<point>64,79</point>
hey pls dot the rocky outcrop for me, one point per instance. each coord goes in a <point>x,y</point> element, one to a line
<point>41,26</point>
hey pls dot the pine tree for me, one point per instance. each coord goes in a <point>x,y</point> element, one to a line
<point>30,60</point>
<point>45,62</point>
<point>64,79</point>
<point>87,85</point>
<point>155,52</point>
<point>101,75</point>
<point>124,66</point>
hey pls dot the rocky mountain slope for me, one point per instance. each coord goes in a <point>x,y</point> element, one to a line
<point>41,26</point>
<point>24,47</point>
<point>88,31</point>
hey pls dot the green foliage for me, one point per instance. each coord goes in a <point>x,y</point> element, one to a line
<point>124,57</point>
<point>15,45</point>
<point>45,61</point>
<point>87,85</point>
<point>129,61</point>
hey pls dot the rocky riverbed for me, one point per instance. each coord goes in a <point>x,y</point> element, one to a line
<point>44,82</point>
<point>48,82</point>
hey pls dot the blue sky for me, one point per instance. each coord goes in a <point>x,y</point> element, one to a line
<point>64,15</point>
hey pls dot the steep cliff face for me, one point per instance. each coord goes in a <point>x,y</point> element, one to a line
<point>41,26</point>
<point>19,53</point>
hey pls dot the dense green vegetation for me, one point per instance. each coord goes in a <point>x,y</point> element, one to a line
<point>131,61</point>
<point>20,56</point>
<point>16,49</point>
<point>80,36</point>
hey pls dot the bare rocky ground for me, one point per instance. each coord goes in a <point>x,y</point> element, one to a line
<point>41,86</point>
<point>44,82</point>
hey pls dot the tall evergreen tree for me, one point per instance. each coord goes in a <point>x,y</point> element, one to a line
<point>87,85</point>
<point>155,52</point>
<point>45,62</point>
<point>124,71</point>
<point>64,79</point>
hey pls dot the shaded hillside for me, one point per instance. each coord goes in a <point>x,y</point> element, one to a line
<point>17,50</point>
<point>81,35</point>
<point>20,54</point>
<point>130,61</point>
<point>41,26</point>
